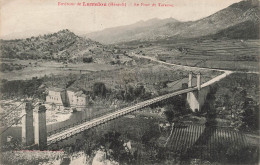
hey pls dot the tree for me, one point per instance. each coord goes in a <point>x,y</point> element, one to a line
<point>111,141</point>
<point>250,116</point>
<point>99,89</point>
<point>169,113</point>
<point>127,77</point>
<point>129,93</point>
<point>139,91</point>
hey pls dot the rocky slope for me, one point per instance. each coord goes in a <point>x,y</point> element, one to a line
<point>61,46</point>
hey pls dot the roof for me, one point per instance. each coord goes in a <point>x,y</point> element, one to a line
<point>72,89</point>
<point>55,89</point>
<point>80,94</point>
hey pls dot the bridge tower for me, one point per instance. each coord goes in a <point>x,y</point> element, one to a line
<point>198,81</point>
<point>40,128</point>
<point>196,98</point>
<point>190,80</point>
<point>27,124</point>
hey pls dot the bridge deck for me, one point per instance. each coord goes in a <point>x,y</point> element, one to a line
<point>97,121</point>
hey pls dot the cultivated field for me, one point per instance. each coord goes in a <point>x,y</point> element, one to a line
<point>210,143</point>
<point>223,54</point>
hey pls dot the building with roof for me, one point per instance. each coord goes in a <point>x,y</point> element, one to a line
<point>71,97</point>
<point>56,96</point>
<point>76,99</point>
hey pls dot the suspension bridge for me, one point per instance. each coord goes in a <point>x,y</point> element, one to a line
<point>194,99</point>
<point>105,118</point>
<point>37,134</point>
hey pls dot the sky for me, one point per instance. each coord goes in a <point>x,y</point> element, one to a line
<point>45,16</point>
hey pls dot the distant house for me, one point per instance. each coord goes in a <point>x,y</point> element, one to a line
<point>73,98</point>
<point>76,99</point>
<point>56,96</point>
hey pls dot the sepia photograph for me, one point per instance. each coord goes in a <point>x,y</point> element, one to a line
<point>129,82</point>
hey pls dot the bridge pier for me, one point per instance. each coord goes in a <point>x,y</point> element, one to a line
<point>40,128</point>
<point>196,98</point>
<point>27,125</point>
<point>34,130</point>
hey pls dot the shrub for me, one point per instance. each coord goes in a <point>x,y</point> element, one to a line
<point>87,59</point>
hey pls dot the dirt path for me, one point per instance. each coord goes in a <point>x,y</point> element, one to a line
<point>210,82</point>
<point>182,66</point>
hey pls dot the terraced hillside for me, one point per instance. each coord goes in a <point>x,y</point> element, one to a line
<point>207,143</point>
<point>224,54</point>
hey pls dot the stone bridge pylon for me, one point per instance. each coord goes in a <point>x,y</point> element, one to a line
<point>196,98</point>
<point>34,130</point>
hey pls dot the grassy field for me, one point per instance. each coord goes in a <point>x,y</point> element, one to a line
<point>37,68</point>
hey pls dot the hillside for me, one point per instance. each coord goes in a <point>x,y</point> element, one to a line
<point>238,13</point>
<point>61,46</point>
<point>227,20</point>
<point>244,30</point>
<point>130,32</point>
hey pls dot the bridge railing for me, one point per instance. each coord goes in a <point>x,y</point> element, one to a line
<point>84,120</point>
<point>139,105</point>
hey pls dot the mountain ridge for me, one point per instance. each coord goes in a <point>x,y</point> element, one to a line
<point>232,16</point>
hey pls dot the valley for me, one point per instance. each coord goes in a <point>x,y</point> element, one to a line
<point>160,91</point>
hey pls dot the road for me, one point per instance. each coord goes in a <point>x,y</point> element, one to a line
<point>181,66</point>
<point>189,67</point>
<point>212,81</point>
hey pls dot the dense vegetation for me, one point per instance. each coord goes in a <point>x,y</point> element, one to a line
<point>22,89</point>
<point>236,99</point>
<point>128,94</point>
